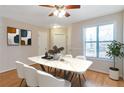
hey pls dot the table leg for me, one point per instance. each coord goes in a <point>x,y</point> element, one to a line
<point>55,72</point>
<point>43,68</point>
<point>84,77</point>
<point>72,77</point>
<point>66,74</point>
<point>60,71</point>
<point>79,80</point>
<point>49,69</point>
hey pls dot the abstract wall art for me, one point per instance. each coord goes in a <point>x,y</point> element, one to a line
<point>25,37</point>
<point>13,36</point>
<point>17,36</point>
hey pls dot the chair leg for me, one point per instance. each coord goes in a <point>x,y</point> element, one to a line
<point>84,77</point>
<point>26,85</point>
<point>79,80</point>
<point>21,82</point>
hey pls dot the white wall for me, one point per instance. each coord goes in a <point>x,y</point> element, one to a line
<point>123,42</point>
<point>77,39</point>
<point>43,42</point>
<point>69,29</point>
<point>58,32</point>
<point>9,54</point>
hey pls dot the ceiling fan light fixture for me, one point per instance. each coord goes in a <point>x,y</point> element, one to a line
<point>59,13</point>
<point>61,10</point>
<point>56,12</point>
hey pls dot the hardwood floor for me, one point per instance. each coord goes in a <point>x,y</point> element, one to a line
<point>93,79</point>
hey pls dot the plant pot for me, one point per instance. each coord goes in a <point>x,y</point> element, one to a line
<point>114,73</point>
<point>56,56</point>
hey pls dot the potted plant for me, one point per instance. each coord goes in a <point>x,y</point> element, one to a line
<point>115,50</point>
<point>56,52</point>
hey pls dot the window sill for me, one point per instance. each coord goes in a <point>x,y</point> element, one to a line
<point>99,59</point>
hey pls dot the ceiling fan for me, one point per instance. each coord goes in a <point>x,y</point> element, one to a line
<point>61,10</point>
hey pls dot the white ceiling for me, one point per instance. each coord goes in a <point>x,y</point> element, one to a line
<point>38,15</point>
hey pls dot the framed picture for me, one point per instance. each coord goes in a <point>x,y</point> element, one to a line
<point>16,37</point>
<point>12,36</point>
<point>25,37</point>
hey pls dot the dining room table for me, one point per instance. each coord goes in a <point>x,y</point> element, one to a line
<point>65,64</point>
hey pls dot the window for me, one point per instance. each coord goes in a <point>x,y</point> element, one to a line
<point>91,41</point>
<point>97,38</point>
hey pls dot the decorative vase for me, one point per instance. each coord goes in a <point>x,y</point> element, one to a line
<point>56,56</point>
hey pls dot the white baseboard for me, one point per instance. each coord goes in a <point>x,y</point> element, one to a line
<point>101,71</point>
<point>12,68</point>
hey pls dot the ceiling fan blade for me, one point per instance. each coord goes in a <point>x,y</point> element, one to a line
<point>50,6</point>
<point>72,6</point>
<point>67,14</point>
<point>51,14</point>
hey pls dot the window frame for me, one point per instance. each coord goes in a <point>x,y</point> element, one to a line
<point>97,40</point>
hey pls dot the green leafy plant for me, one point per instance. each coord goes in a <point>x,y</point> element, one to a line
<point>115,49</point>
<point>52,52</point>
<point>55,50</point>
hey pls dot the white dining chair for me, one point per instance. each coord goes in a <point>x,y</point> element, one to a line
<point>30,76</point>
<point>68,55</point>
<point>20,71</point>
<point>81,57</point>
<point>48,80</point>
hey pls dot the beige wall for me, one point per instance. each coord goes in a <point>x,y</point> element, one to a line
<point>9,54</point>
<point>77,39</point>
